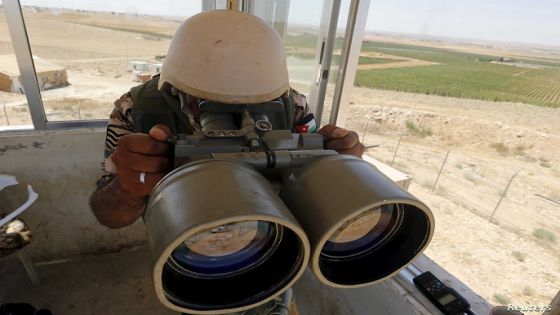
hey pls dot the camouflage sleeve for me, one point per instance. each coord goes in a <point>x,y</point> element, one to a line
<point>301,105</point>
<point>120,124</point>
<point>304,121</point>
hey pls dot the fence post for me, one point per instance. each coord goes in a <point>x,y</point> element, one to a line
<point>365,131</point>
<point>397,148</point>
<point>441,169</point>
<point>504,193</point>
<point>6,114</point>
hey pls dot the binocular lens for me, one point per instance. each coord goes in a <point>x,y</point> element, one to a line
<point>362,226</point>
<point>363,233</point>
<point>226,250</point>
<point>223,240</point>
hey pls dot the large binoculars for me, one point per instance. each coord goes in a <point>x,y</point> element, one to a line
<point>247,208</point>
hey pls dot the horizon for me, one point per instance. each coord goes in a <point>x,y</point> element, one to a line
<point>418,36</point>
<point>422,20</point>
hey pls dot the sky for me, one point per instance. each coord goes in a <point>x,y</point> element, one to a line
<point>525,21</point>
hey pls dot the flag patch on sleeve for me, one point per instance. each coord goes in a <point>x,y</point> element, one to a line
<point>306,124</point>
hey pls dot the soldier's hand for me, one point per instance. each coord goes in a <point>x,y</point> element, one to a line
<point>342,141</point>
<point>139,153</point>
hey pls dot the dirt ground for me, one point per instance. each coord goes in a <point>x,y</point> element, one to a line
<point>513,258</point>
<point>503,259</point>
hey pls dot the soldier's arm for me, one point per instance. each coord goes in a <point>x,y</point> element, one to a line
<point>120,197</point>
<point>140,162</point>
<point>113,207</point>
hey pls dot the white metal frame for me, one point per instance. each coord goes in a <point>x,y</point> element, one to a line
<point>325,46</point>
<point>24,57</point>
<point>23,52</point>
<point>350,55</point>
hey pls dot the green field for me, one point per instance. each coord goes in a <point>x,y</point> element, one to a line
<point>465,75</point>
<point>457,74</point>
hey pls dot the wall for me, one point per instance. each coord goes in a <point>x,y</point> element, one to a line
<point>62,167</point>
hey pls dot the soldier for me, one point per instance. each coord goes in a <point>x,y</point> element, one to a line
<point>227,57</point>
<point>224,56</point>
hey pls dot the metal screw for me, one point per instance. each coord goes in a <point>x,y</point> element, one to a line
<point>263,125</point>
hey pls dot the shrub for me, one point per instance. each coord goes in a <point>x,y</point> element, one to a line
<point>519,150</point>
<point>500,148</point>
<point>545,163</point>
<point>502,299</point>
<point>471,177</point>
<point>418,130</point>
<point>528,291</point>
<point>545,235</point>
<point>518,255</point>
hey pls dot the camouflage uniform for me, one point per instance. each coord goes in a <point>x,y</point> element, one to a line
<point>121,123</point>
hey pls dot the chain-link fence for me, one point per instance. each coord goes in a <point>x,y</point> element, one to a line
<point>497,217</point>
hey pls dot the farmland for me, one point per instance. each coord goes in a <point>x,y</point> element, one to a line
<point>445,72</point>
<point>466,75</point>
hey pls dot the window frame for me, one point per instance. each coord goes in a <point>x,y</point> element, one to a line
<point>26,65</point>
<point>22,50</point>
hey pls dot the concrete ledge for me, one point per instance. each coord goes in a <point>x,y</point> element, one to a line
<point>62,167</point>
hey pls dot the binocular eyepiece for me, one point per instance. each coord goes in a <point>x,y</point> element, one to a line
<point>237,224</point>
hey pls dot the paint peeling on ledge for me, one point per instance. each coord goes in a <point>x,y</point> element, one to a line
<point>12,147</point>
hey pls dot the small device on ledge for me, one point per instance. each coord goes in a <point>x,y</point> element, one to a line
<point>443,297</point>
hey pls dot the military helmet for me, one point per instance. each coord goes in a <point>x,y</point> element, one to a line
<point>226,56</point>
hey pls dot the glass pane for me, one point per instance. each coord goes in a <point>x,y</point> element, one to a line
<point>300,38</point>
<point>87,54</point>
<point>478,83</point>
<point>14,112</point>
<point>299,28</point>
<point>335,63</point>
<point>297,22</point>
